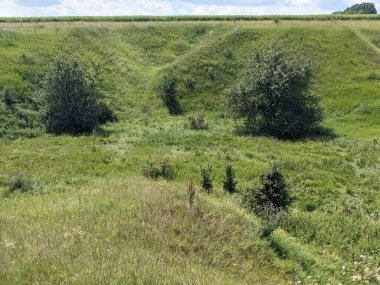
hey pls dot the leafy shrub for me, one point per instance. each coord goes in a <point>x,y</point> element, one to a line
<point>157,169</point>
<point>273,95</point>
<point>207,179</point>
<point>72,99</point>
<point>229,183</point>
<point>197,122</point>
<point>272,195</point>
<point>167,89</point>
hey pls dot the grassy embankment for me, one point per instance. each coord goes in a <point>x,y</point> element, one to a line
<point>90,216</point>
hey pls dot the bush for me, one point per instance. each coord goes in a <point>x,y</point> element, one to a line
<point>229,183</point>
<point>167,89</point>
<point>197,122</point>
<point>273,95</point>
<point>72,99</point>
<point>155,170</point>
<point>271,196</point>
<point>207,179</point>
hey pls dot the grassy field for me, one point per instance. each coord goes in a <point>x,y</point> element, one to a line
<point>90,217</point>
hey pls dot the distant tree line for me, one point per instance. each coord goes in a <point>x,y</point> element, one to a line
<point>363,8</point>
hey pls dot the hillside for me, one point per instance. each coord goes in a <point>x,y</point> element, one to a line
<point>90,217</point>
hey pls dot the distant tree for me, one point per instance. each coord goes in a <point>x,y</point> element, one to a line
<point>167,89</point>
<point>273,95</point>
<point>363,8</point>
<point>72,99</point>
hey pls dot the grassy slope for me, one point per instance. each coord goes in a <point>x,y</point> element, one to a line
<point>93,218</point>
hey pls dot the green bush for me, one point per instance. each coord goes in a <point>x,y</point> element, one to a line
<point>271,196</point>
<point>157,169</point>
<point>197,122</point>
<point>273,95</point>
<point>229,182</point>
<point>167,89</point>
<point>72,99</point>
<point>206,181</point>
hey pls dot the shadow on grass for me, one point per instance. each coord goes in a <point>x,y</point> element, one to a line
<point>317,133</point>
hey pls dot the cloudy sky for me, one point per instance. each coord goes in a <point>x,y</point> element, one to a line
<point>11,8</point>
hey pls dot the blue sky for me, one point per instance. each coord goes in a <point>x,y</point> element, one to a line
<point>12,8</point>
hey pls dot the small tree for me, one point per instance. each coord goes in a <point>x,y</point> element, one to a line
<point>207,179</point>
<point>273,95</point>
<point>229,183</point>
<point>72,99</point>
<point>167,89</point>
<point>272,195</point>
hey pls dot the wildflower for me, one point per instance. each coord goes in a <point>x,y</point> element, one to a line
<point>357,277</point>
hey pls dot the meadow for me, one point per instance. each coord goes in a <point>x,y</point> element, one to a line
<point>89,216</point>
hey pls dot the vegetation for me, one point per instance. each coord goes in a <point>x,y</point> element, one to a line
<point>229,182</point>
<point>192,18</point>
<point>72,99</point>
<point>272,195</point>
<point>197,122</point>
<point>169,93</point>
<point>207,179</point>
<point>157,169</point>
<point>362,8</point>
<point>93,217</point>
<point>273,95</point>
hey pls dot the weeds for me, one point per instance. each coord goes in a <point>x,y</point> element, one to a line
<point>20,182</point>
<point>191,192</point>
<point>157,169</point>
<point>197,122</point>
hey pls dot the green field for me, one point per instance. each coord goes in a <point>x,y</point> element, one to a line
<point>90,216</point>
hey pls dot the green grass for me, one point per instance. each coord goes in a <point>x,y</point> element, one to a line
<point>91,217</point>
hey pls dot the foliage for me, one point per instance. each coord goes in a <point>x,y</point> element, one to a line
<point>271,195</point>
<point>197,122</point>
<point>207,179</point>
<point>273,95</point>
<point>168,91</point>
<point>362,8</point>
<point>72,99</point>
<point>9,97</point>
<point>229,182</point>
<point>160,168</point>
<point>191,191</point>
<point>100,198</point>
